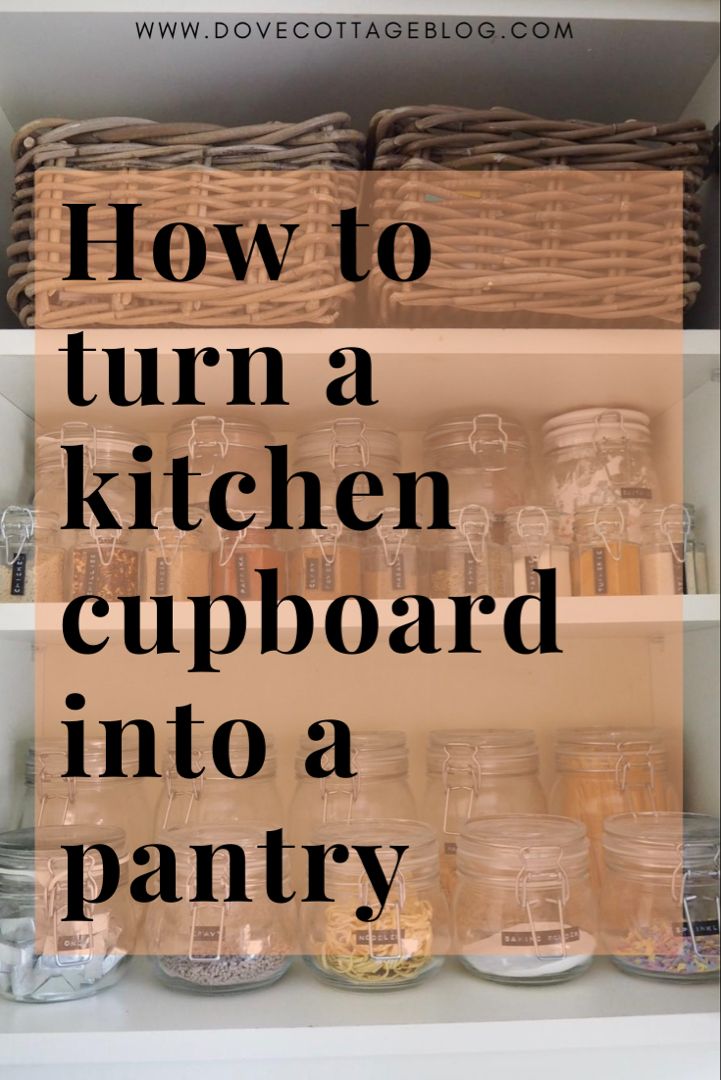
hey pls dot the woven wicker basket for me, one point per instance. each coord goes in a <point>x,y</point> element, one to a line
<point>506,265</point>
<point>313,163</point>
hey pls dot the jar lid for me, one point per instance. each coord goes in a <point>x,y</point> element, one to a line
<point>102,444</point>
<point>589,426</point>
<point>347,444</point>
<point>50,757</point>
<point>202,758</point>
<point>419,862</point>
<point>497,751</point>
<point>478,434</point>
<point>617,750</point>
<point>18,849</point>
<point>531,522</point>
<point>374,754</point>
<point>215,434</point>
<point>540,845</point>
<point>661,842</point>
<point>678,517</point>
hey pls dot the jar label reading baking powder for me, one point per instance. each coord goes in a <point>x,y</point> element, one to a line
<point>241,575</point>
<point>525,938</point>
<point>398,574</point>
<point>600,580</point>
<point>680,584</point>
<point>635,493</point>
<point>533,582</point>
<point>469,574</point>
<point>380,937</point>
<point>17,580</point>
<point>703,928</point>
<point>161,577</point>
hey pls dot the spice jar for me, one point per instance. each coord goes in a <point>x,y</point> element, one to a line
<point>176,562</point>
<point>467,560</point>
<point>660,907</point>
<point>533,534</point>
<point>221,947</point>
<point>485,458</point>
<point>477,773</point>
<point>672,559</point>
<point>31,558</point>
<point>597,456</point>
<point>605,771</point>
<point>216,799</point>
<point>524,910</point>
<point>241,553</point>
<point>408,940</point>
<point>102,563</point>
<point>75,959</point>
<point>390,559</point>
<point>213,446</point>
<point>325,563</point>
<point>607,562</point>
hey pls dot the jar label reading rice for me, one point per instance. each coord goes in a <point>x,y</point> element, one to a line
<point>533,582</point>
<point>635,493</point>
<point>241,575</point>
<point>19,573</point>
<point>469,574</point>
<point>703,928</point>
<point>599,571</point>
<point>517,939</point>
<point>398,574</point>
<point>380,937</point>
<point>161,577</point>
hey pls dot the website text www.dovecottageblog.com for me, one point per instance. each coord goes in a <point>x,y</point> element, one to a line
<point>352,30</point>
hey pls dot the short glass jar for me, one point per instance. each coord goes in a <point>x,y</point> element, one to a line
<point>673,561</point>
<point>476,772</point>
<point>32,559</point>
<point>325,563</point>
<point>78,958</point>
<point>660,906</point>
<point>104,563</point>
<point>217,948</point>
<point>240,554</point>
<point>410,938</point>
<point>176,562</point>
<point>606,562</point>
<point>391,559</point>
<point>534,536</point>
<point>215,445</point>
<point>467,560</point>
<point>524,910</point>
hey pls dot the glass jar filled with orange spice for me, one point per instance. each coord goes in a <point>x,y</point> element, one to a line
<point>104,563</point>
<point>325,563</point>
<point>606,562</point>
<point>391,559</point>
<point>240,554</point>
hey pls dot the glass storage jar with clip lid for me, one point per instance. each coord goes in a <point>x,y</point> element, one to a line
<point>606,562</point>
<point>408,940</point>
<point>104,563</point>
<point>32,559</point>
<point>215,445</point>
<point>391,559</point>
<point>325,563</point>
<point>673,561</point>
<point>224,946</point>
<point>660,904</point>
<point>175,562</point>
<point>533,535</point>
<point>240,554</point>
<point>474,773</point>
<point>524,910</point>
<point>43,957</point>
<point>212,797</point>
<point>466,559</point>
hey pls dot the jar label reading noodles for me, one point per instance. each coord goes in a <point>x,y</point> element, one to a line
<point>241,575</point>
<point>635,493</point>
<point>524,939</point>
<point>533,582</point>
<point>398,574</point>
<point>380,937</point>
<point>19,572</point>
<point>599,571</point>
<point>161,577</point>
<point>703,928</point>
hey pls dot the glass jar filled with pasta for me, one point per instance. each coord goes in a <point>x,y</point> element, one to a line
<point>534,536</point>
<point>467,559</point>
<point>103,562</point>
<point>325,563</point>
<point>215,445</point>
<point>76,959</point>
<point>476,773</point>
<point>410,937</point>
<point>660,905</point>
<point>222,947</point>
<point>176,562</point>
<point>241,553</point>
<point>673,561</point>
<point>32,559</point>
<point>391,559</point>
<point>524,910</point>
<point>607,562</point>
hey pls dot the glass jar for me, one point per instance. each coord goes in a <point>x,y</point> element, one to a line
<point>333,451</point>
<point>103,563</point>
<point>213,446</point>
<point>411,937</point>
<point>524,910</point>
<point>486,460</point>
<point>475,773</point>
<point>606,771</point>
<point>672,559</point>
<point>176,562</point>
<point>325,563</point>
<point>606,562</point>
<point>78,958</point>
<point>467,560</point>
<point>597,456</point>
<point>241,553</point>
<point>32,560</point>
<point>660,907</point>
<point>216,948</point>
<point>390,559</point>
<point>216,799</point>
<point>105,450</point>
<point>534,537</point>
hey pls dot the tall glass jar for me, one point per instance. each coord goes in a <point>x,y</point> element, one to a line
<point>411,936</point>
<point>325,563</point>
<point>391,559</point>
<point>534,536</point>
<point>524,910</point>
<point>467,560</point>
<point>104,563</point>
<point>672,559</point>
<point>176,562</point>
<point>607,562</point>
<point>660,907</point>
<point>216,799</point>
<point>78,958</point>
<point>475,773</point>
<point>215,445</point>
<point>597,456</point>
<point>240,554</point>
<point>31,557</point>
<point>486,460</point>
<point>216,948</point>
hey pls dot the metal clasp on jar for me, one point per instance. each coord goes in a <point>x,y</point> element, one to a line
<point>207,433</point>
<point>348,436</point>
<point>498,437</point>
<point>635,758</point>
<point>74,942</point>
<point>376,937</point>
<point>52,787</point>
<point>666,528</point>
<point>542,874</point>
<point>349,791</point>
<point>686,882</point>
<point>327,541</point>
<point>460,758</point>
<point>612,528</point>
<point>16,533</point>
<point>76,431</point>
<point>474,525</point>
<point>391,551</point>
<point>105,544</point>
<point>167,535</point>
<point>176,790</point>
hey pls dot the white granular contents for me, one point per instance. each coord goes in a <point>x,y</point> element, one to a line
<point>490,956</point>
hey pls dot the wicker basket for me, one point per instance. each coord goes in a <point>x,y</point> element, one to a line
<point>508,265</point>
<point>313,163</point>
